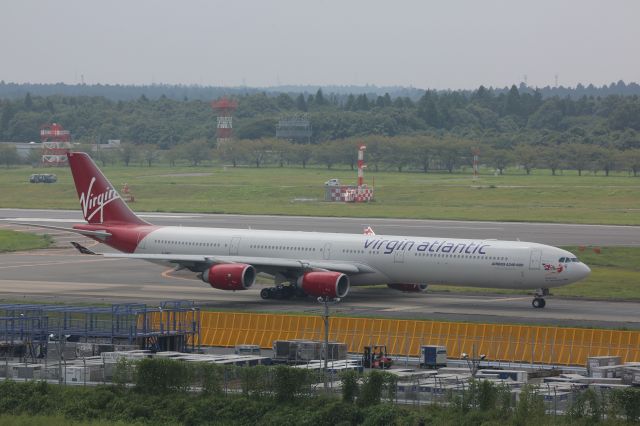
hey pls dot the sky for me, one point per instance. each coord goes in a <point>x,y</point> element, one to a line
<point>454,44</point>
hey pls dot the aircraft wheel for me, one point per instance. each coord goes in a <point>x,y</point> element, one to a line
<point>538,303</point>
<point>265,293</point>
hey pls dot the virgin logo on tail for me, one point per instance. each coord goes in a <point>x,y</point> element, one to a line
<point>92,204</point>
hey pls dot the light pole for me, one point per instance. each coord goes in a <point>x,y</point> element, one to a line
<point>325,317</point>
<point>474,361</point>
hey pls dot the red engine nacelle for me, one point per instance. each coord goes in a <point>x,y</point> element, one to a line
<point>324,284</point>
<point>409,288</point>
<point>230,276</point>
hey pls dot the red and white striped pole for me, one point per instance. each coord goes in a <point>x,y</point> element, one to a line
<point>476,154</point>
<point>361,165</point>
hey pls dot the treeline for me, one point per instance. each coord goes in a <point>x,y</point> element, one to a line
<point>163,391</point>
<point>125,92</point>
<point>426,153</point>
<point>488,119</point>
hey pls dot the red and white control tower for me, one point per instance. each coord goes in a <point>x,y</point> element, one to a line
<point>56,142</point>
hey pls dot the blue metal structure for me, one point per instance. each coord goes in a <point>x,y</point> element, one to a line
<point>172,325</point>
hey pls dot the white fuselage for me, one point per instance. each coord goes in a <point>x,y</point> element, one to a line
<point>392,259</point>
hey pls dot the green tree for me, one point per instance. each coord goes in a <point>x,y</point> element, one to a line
<point>587,405</point>
<point>498,158</point>
<point>553,157</point>
<point>128,153</point>
<point>371,389</point>
<point>172,155</point>
<point>627,402</point>
<point>302,153</point>
<point>301,103</point>
<point>162,375</point>
<point>290,383</point>
<point>530,406</point>
<point>428,109</point>
<point>350,387</point>
<point>28,102</point>
<point>631,159</point>
<point>400,154</point>
<point>579,156</point>
<point>327,153</point>
<point>196,152</point>
<point>423,150</point>
<point>527,156</point>
<point>319,98</point>
<point>34,157</point>
<point>150,154</point>
<point>285,102</point>
<point>233,152</point>
<point>512,104</point>
<point>8,155</point>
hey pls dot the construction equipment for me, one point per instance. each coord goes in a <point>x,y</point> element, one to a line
<point>376,357</point>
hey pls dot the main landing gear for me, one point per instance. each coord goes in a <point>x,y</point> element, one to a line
<point>281,292</point>
<point>538,301</point>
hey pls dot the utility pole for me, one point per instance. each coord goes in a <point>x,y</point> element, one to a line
<point>473,362</point>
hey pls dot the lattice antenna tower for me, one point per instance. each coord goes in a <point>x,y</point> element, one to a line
<point>224,108</point>
<point>56,142</point>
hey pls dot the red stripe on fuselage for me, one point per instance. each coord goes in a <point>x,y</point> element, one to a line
<point>124,238</point>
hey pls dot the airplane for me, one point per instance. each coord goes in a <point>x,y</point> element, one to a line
<point>322,265</point>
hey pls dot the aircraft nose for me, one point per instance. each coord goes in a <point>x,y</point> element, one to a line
<point>583,271</point>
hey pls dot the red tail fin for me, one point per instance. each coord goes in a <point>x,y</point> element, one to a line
<point>99,201</point>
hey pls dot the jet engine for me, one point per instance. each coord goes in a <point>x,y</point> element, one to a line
<point>408,288</point>
<point>230,276</point>
<point>324,284</point>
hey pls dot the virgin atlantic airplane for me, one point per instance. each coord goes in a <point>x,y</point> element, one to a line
<point>314,263</point>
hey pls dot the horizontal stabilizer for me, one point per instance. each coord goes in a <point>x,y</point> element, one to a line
<point>88,233</point>
<point>82,249</point>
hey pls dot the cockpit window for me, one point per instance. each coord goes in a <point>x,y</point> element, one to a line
<point>568,259</point>
<point>562,259</point>
<point>574,259</point>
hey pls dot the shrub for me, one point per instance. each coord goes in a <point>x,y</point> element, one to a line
<point>290,383</point>
<point>627,401</point>
<point>160,376</point>
<point>350,386</point>
<point>371,389</point>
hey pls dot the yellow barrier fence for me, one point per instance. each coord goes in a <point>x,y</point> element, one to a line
<point>500,342</point>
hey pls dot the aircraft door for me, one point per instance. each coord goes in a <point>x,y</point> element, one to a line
<point>326,251</point>
<point>535,260</point>
<point>398,256</point>
<point>233,247</point>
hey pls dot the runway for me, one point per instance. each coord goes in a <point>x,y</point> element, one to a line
<point>61,274</point>
<point>555,234</point>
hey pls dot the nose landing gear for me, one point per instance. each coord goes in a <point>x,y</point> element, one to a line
<point>538,301</point>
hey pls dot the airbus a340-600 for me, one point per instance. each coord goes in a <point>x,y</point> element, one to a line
<point>313,263</point>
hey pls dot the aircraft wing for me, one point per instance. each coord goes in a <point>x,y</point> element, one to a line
<point>260,263</point>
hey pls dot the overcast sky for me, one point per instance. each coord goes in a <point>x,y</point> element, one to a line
<point>426,44</point>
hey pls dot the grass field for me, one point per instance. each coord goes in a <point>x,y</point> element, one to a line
<point>539,197</point>
<point>16,241</point>
<point>615,274</point>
